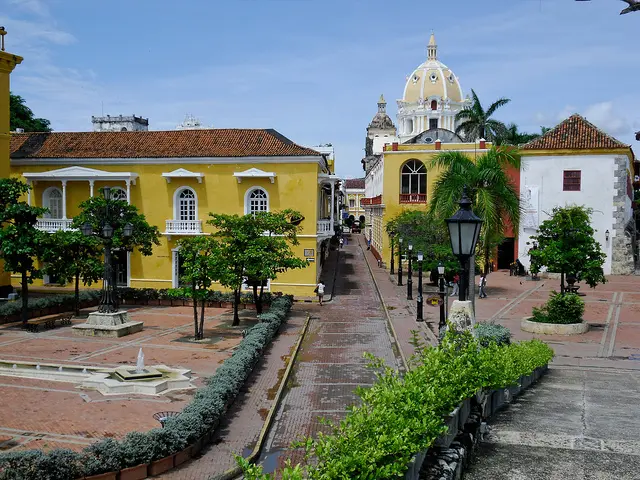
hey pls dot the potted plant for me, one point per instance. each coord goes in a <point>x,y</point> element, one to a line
<point>102,460</point>
<point>165,442</point>
<point>137,454</point>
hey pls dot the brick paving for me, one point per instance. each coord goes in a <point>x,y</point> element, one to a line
<point>46,414</point>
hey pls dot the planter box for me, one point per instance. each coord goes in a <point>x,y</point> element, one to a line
<point>526,381</point>
<point>183,455</point>
<point>103,476</point>
<point>226,305</point>
<point>451,421</point>
<point>138,472</point>
<point>198,445</point>
<point>514,391</point>
<point>483,399</point>
<point>465,410</point>
<point>413,471</point>
<point>250,306</point>
<point>161,466</point>
<point>553,328</point>
<point>498,400</point>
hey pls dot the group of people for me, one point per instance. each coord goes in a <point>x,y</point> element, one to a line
<point>481,285</point>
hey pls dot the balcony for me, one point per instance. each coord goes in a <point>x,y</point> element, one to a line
<point>371,201</point>
<point>325,227</point>
<point>183,227</point>
<point>413,198</point>
<point>53,224</point>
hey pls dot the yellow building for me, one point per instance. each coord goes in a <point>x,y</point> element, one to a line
<point>176,178</point>
<point>354,192</point>
<point>8,62</point>
<point>397,169</point>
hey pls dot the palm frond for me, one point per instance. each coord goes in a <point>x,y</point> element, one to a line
<point>501,102</point>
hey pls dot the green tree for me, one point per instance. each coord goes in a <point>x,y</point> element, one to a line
<point>428,235</point>
<point>494,196</point>
<point>476,122</point>
<point>70,255</point>
<point>199,255</point>
<point>21,116</point>
<point>270,254</point>
<point>565,245</point>
<point>513,136</point>
<point>21,243</point>
<point>144,237</point>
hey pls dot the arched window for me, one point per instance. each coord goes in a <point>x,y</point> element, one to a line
<point>118,193</point>
<point>186,205</point>
<point>257,201</point>
<point>434,105</point>
<point>52,199</point>
<point>414,178</point>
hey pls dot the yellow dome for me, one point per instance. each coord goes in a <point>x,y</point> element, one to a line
<point>432,79</point>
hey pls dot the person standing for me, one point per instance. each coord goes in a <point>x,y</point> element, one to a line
<point>482,284</point>
<point>456,286</point>
<point>320,291</point>
<point>341,242</point>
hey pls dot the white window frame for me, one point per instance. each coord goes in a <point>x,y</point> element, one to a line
<point>176,202</point>
<point>118,189</point>
<point>248,289</point>
<point>247,199</point>
<point>46,196</point>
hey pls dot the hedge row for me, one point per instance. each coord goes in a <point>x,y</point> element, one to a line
<point>66,301</point>
<point>197,419</point>
<point>149,294</point>
<point>402,416</point>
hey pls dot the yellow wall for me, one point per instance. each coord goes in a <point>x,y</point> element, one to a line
<point>7,64</point>
<point>219,192</point>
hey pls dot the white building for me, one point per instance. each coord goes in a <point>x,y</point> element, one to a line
<point>575,163</point>
<point>120,123</point>
<point>191,123</point>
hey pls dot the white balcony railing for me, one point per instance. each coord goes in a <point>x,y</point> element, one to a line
<point>53,224</point>
<point>325,227</point>
<point>184,227</point>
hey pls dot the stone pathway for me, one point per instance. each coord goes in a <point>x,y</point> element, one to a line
<point>574,424</point>
<point>330,364</point>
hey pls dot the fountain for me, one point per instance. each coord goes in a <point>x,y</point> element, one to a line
<point>38,367</point>
<point>60,368</point>
<point>139,372</point>
<point>140,362</point>
<point>14,366</point>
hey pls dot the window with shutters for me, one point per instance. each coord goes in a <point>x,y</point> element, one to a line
<point>571,180</point>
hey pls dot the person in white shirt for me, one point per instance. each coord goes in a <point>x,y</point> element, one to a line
<point>341,242</point>
<point>320,291</point>
<point>482,284</point>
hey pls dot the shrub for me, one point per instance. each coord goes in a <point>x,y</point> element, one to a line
<point>136,449</point>
<point>8,309</point>
<point>490,332</point>
<point>103,456</point>
<point>560,309</point>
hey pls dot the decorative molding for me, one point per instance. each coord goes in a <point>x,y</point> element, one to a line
<point>170,161</point>
<point>255,173</point>
<point>80,173</point>
<point>183,173</point>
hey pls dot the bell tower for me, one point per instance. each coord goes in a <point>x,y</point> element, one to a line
<point>8,62</point>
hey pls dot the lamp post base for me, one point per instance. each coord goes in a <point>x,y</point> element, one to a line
<point>115,324</point>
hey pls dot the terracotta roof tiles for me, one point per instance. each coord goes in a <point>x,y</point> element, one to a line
<point>154,144</point>
<point>574,133</point>
<point>354,183</point>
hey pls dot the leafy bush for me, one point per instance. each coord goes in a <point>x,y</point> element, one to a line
<point>127,294</point>
<point>490,332</point>
<point>201,415</point>
<point>8,309</point>
<point>560,309</point>
<point>401,416</point>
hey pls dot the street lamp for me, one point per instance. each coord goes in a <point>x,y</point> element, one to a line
<point>400,261</point>
<point>391,238</point>
<point>464,230</point>
<point>108,300</point>
<point>409,279</point>
<point>443,321</point>
<point>420,300</point>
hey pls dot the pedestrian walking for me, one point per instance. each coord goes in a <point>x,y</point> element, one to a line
<point>320,291</point>
<point>341,242</point>
<point>482,284</point>
<point>369,244</point>
<point>456,286</point>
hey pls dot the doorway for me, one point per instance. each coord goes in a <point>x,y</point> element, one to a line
<point>506,253</point>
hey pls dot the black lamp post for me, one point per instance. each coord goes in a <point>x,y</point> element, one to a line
<point>400,261</point>
<point>392,270</point>
<point>409,279</point>
<point>464,230</point>
<point>420,299</point>
<point>108,300</point>
<point>443,320</point>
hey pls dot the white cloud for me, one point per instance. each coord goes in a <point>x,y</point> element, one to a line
<point>608,118</point>
<point>36,7</point>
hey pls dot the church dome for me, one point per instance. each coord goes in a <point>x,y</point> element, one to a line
<point>381,120</point>
<point>432,80</point>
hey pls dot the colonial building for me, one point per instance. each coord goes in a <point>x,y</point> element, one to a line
<point>8,62</point>
<point>176,178</point>
<point>354,191</point>
<point>120,123</point>
<point>575,163</point>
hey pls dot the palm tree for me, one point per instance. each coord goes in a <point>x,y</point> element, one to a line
<point>495,198</point>
<point>512,136</point>
<point>477,123</point>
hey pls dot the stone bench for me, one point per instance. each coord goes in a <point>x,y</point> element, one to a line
<point>48,321</point>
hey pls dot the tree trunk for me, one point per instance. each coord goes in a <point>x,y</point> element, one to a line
<point>487,268</point>
<point>202,305</point>
<point>195,312</point>
<point>562,281</point>
<point>76,298</point>
<point>259,305</point>
<point>236,300</point>
<point>25,297</point>
<point>257,300</point>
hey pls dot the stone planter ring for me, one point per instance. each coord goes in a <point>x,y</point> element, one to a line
<point>553,328</point>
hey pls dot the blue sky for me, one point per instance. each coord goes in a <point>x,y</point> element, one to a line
<point>314,69</point>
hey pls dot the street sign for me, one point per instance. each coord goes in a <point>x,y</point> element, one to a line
<point>435,300</point>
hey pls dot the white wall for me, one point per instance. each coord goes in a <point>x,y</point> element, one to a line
<point>373,180</point>
<point>597,192</point>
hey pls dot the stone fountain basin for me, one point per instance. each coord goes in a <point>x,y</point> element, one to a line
<point>155,380</point>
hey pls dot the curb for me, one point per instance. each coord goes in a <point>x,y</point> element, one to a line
<point>253,456</point>
<point>394,335</point>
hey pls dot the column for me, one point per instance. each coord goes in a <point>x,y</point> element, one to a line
<point>64,199</point>
<point>91,182</point>
<point>29,183</point>
<point>129,191</point>
<point>333,187</point>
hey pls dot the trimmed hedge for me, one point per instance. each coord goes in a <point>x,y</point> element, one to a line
<point>126,294</point>
<point>66,301</point>
<point>400,416</point>
<point>199,417</point>
<point>491,332</point>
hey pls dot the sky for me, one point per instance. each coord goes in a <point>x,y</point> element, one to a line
<point>314,70</point>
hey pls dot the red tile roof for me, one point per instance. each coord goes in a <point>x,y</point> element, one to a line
<point>354,183</point>
<point>241,142</point>
<point>574,133</point>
